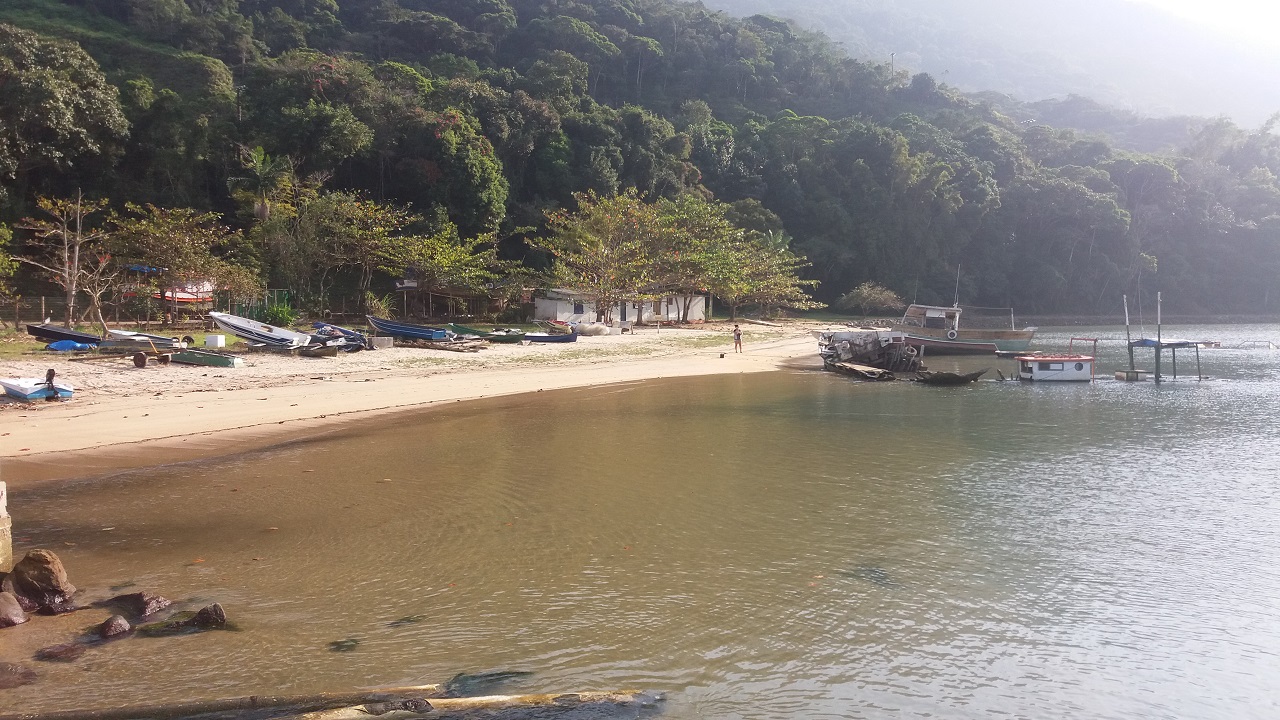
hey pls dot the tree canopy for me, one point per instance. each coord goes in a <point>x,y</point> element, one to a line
<point>496,117</point>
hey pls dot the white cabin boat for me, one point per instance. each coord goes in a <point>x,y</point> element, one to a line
<point>1058,367</point>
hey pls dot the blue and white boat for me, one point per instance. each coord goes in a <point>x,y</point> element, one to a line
<point>256,332</point>
<point>36,388</point>
<point>409,331</point>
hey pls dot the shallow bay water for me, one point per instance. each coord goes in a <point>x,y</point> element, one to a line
<point>784,545</point>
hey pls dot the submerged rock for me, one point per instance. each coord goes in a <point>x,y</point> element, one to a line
<point>11,612</point>
<point>66,652</point>
<point>344,645</point>
<point>212,617</point>
<point>59,608</point>
<point>39,581</point>
<point>481,683</point>
<point>12,676</point>
<point>407,620</point>
<point>138,605</point>
<point>113,626</point>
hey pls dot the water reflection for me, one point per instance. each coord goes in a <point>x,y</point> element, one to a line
<point>788,546</point>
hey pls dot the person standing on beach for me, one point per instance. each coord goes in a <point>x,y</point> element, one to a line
<point>737,339</point>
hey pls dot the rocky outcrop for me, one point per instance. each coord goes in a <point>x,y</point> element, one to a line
<point>11,612</point>
<point>114,626</point>
<point>40,582</point>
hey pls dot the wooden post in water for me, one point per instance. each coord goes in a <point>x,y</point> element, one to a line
<point>1128,339</point>
<point>1159,347</point>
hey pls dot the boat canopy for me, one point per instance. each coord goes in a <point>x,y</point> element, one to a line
<point>1171,343</point>
<point>931,316</point>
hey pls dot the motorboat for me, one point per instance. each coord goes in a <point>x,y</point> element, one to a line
<point>256,332</point>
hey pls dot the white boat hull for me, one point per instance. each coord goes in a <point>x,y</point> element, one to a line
<point>34,389</point>
<point>257,332</point>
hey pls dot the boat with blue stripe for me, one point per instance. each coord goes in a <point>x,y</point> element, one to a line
<point>410,331</point>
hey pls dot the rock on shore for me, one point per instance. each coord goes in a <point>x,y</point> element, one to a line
<point>39,582</point>
<point>11,612</point>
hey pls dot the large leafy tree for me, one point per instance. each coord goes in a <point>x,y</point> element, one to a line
<point>56,107</point>
<point>605,248</point>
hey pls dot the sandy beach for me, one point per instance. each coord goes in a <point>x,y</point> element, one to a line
<point>122,416</point>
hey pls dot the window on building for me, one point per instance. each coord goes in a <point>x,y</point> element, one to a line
<point>578,309</point>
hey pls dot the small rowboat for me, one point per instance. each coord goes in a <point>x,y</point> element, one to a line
<point>409,331</point>
<point>206,358</point>
<point>256,332</point>
<point>35,388</point>
<point>52,333</point>
<point>551,338</point>
<point>139,336</point>
<point>948,378</point>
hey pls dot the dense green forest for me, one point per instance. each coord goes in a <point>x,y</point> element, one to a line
<point>485,117</point>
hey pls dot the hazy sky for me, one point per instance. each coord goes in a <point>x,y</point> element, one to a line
<point>1255,20</point>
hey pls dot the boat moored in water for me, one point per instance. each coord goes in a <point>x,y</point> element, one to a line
<point>937,330</point>
<point>1059,367</point>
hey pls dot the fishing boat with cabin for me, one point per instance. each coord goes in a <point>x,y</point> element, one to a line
<point>937,330</point>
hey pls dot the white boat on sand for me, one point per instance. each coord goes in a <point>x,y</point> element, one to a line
<point>36,388</point>
<point>256,332</point>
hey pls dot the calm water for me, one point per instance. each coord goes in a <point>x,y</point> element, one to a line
<point>791,545</point>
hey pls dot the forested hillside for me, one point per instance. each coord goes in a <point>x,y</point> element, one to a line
<point>1124,53</point>
<point>491,113</point>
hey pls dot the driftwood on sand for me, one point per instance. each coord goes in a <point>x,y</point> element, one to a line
<point>292,704</point>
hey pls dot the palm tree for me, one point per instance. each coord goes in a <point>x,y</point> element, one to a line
<point>263,175</point>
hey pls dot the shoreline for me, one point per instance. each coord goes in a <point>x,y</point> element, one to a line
<point>159,416</point>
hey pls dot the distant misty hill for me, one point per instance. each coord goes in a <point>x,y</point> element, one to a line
<point>1117,52</point>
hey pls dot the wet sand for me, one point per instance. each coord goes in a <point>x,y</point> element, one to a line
<point>124,417</point>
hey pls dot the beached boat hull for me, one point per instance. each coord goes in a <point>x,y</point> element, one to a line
<point>28,389</point>
<point>549,338</point>
<point>207,359</point>
<point>256,332</point>
<point>50,333</point>
<point>948,378</point>
<point>494,337</point>
<point>330,331</point>
<point>408,331</point>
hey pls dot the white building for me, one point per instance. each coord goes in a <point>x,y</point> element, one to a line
<point>568,306</point>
